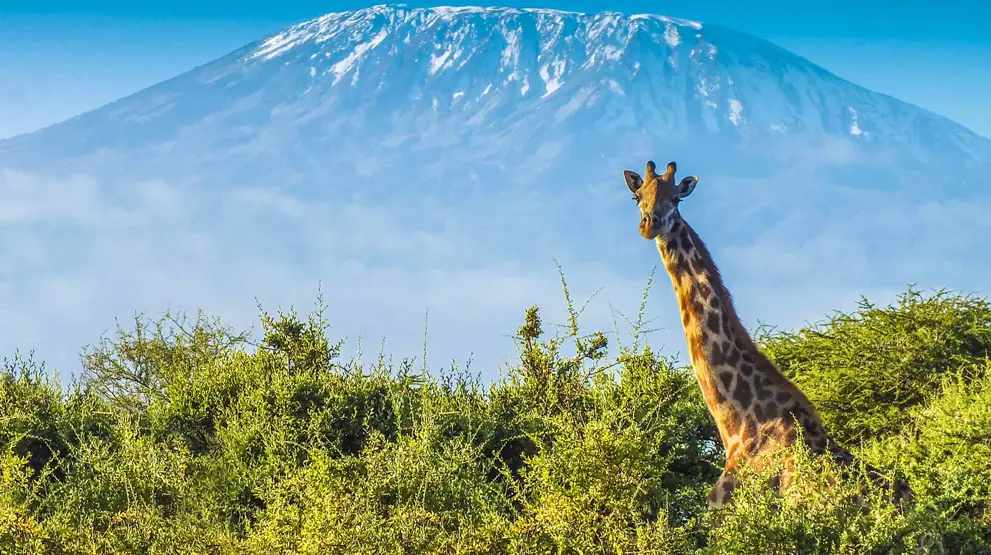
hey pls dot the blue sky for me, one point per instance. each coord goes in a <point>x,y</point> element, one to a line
<point>60,57</point>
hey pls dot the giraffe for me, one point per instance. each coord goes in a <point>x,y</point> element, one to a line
<point>755,406</point>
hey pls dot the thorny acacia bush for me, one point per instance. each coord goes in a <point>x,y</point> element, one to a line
<point>184,437</point>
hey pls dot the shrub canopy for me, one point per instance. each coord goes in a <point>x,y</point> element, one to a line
<point>183,437</point>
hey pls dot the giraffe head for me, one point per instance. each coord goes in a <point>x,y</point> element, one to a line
<point>658,197</point>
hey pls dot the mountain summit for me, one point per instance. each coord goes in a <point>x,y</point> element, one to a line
<point>669,74</point>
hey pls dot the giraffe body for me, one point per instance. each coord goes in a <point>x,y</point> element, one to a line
<point>757,409</point>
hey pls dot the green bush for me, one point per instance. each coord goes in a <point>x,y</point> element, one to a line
<point>185,437</point>
<point>866,370</point>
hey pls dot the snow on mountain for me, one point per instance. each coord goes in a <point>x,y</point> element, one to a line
<point>694,76</point>
<point>443,157</point>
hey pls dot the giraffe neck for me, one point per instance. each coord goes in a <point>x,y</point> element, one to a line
<point>726,360</point>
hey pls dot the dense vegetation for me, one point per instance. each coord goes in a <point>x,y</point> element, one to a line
<point>185,437</point>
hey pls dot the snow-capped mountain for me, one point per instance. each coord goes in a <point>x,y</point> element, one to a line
<point>501,83</point>
<point>389,150</point>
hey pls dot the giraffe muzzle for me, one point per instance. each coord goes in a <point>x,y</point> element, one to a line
<point>648,226</point>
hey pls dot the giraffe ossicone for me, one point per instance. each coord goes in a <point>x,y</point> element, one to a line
<point>756,407</point>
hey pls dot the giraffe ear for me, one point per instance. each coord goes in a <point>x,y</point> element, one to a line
<point>686,186</point>
<point>633,180</point>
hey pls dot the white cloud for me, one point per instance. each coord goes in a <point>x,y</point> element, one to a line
<point>150,247</point>
<point>77,254</point>
<point>27,198</point>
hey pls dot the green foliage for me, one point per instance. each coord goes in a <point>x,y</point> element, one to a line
<point>184,437</point>
<point>866,369</point>
<point>819,513</point>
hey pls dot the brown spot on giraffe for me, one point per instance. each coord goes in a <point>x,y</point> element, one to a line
<point>743,394</point>
<point>717,356</point>
<point>756,408</point>
<point>734,357</point>
<point>746,368</point>
<point>698,306</point>
<point>704,291</point>
<point>762,387</point>
<point>713,322</point>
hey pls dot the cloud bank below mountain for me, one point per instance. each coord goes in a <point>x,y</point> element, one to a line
<point>80,254</point>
